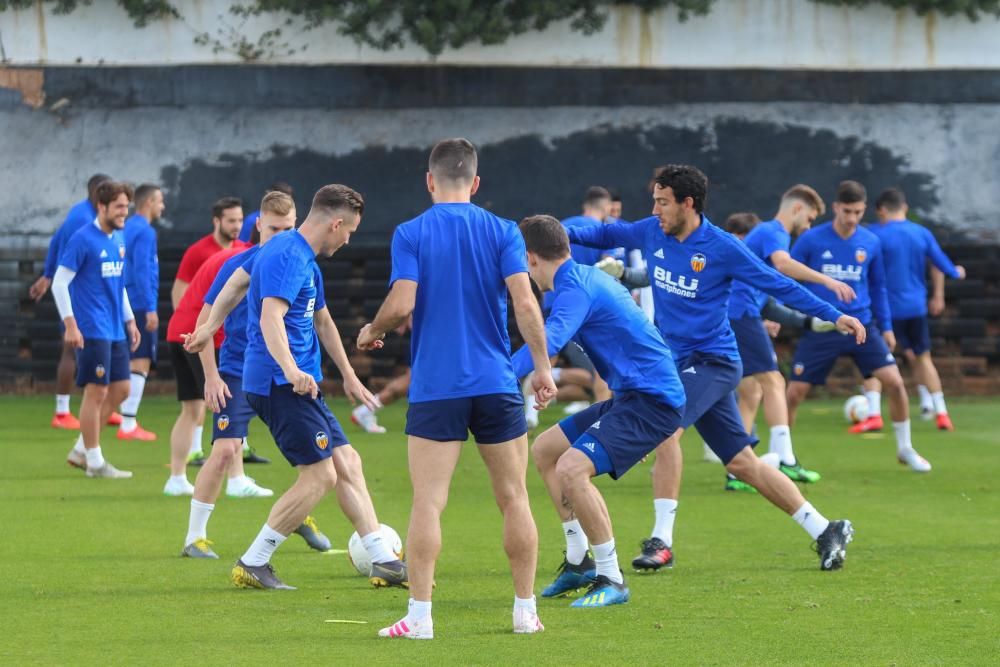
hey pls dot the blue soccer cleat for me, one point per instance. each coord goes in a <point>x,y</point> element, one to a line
<point>603,593</point>
<point>571,577</point>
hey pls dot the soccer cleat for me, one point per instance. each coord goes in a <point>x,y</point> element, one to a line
<point>311,534</point>
<point>76,459</point>
<point>138,433</point>
<point>365,418</point>
<point>917,463</point>
<point>571,577</point>
<point>797,473</point>
<point>259,576</point>
<point>408,628</point>
<point>248,488</point>
<point>393,573</point>
<point>250,455</point>
<point>655,554</point>
<point>603,593</point>
<point>114,419</point>
<point>873,423</point>
<point>526,622</point>
<point>196,459</point>
<point>927,412</point>
<point>108,471</point>
<point>65,420</point>
<point>831,545</point>
<point>179,487</point>
<point>200,548</point>
<point>733,484</point>
<point>944,422</point>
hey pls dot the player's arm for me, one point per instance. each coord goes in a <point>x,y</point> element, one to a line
<point>631,278</point>
<point>936,305</point>
<point>880,297</point>
<point>216,389</point>
<point>569,310</point>
<point>131,331</point>
<point>60,292</point>
<point>329,337</point>
<point>232,293</point>
<point>177,291</point>
<point>393,312</point>
<point>796,270</point>
<point>529,323</point>
<point>617,234</point>
<point>44,281</point>
<point>144,256</point>
<point>272,327</point>
<point>941,261</point>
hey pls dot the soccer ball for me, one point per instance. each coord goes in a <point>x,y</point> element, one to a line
<point>856,409</point>
<point>358,555</point>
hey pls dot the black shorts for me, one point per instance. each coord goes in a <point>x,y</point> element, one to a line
<point>188,372</point>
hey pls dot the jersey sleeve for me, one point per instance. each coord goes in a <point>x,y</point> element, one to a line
<point>617,234</point>
<point>52,255</point>
<point>404,258</point>
<point>73,254</point>
<point>877,291</point>
<point>281,276</point>
<point>801,251</point>
<point>513,255</point>
<point>320,289</point>
<point>224,274</point>
<point>937,255</point>
<point>772,242</point>
<point>569,310</point>
<point>187,268</point>
<point>144,259</point>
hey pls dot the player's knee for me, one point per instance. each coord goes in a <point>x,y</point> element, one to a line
<point>573,469</point>
<point>347,462</point>
<point>743,464</point>
<point>545,451</point>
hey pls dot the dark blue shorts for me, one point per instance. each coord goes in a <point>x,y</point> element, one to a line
<point>817,352</point>
<point>709,381</point>
<point>303,427</point>
<point>492,418</point>
<point>912,334</point>
<point>755,346</point>
<point>102,362</point>
<point>234,419</point>
<point>617,433</point>
<point>575,357</point>
<point>147,340</point>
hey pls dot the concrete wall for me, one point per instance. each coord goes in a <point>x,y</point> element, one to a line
<point>737,33</point>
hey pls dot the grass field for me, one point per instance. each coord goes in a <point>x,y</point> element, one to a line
<point>91,572</point>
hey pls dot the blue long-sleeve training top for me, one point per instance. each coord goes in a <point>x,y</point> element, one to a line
<point>142,266</point>
<point>80,215</point>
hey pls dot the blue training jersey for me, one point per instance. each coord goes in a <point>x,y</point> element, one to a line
<point>285,268</point>
<point>582,254</point>
<point>906,247</point>
<point>233,347</point>
<point>98,288</point>
<point>692,281</point>
<point>459,255</point>
<point>857,261</point>
<point>597,312</point>
<point>142,266</point>
<point>763,240</point>
<point>82,213</point>
<point>249,222</point>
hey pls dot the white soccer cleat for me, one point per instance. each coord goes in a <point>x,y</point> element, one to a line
<point>708,455</point>
<point>247,488</point>
<point>526,622</point>
<point>178,488</point>
<point>76,459</point>
<point>916,462</point>
<point>365,418</point>
<point>108,471</point>
<point>576,406</point>
<point>408,628</point>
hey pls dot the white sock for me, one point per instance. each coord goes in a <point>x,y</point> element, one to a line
<point>939,406</point>
<point>263,547</point>
<point>926,402</point>
<point>874,403</point>
<point>198,521</point>
<point>812,521</point>
<point>62,404</point>
<point>666,510</point>
<point>781,444</point>
<point>556,374</point>
<point>179,479</point>
<point>130,406</point>
<point>419,611</point>
<point>377,549</point>
<point>196,440</point>
<point>902,430</point>
<point>78,447</point>
<point>576,542</point>
<point>246,445</point>
<point>529,404</point>
<point>529,604</point>
<point>607,561</point>
<point>95,459</point>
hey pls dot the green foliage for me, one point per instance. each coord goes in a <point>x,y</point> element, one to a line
<point>973,9</point>
<point>142,12</point>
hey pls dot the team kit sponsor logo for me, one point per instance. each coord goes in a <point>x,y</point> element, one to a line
<point>681,285</point>
<point>844,272</point>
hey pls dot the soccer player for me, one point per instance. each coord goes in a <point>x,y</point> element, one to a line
<point>843,250</point>
<point>694,264</point>
<point>907,248</point>
<point>227,219</point>
<point>596,209</point>
<point>286,319</point>
<point>142,282</point>
<point>250,222</point>
<point>608,437</point>
<point>90,294</point>
<point>83,213</point>
<point>462,374</point>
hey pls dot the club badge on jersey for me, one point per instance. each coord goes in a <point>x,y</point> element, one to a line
<point>698,261</point>
<point>860,255</point>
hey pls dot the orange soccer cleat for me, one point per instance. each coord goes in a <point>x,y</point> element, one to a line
<point>873,423</point>
<point>944,422</point>
<point>138,433</point>
<point>115,419</point>
<point>65,420</point>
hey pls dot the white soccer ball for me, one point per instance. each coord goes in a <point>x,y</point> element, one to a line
<point>856,409</point>
<point>358,555</point>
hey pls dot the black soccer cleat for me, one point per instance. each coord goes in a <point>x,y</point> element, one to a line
<point>251,456</point>
<point>831,545</point>
<point>655,554</point>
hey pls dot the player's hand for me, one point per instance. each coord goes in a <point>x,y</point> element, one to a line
<point>216,393</point>
<point>302,383</point>
<point>196,342</point>
<point>843,291</point>
<point>852,326</point>
<point>367,341</point>
<point>73,336</point>
<point>356,392</point>
<point>134,336</point>
<point>890,340</point>
<point>936,305</point>
<point>773,328</point>
<point>39,288</point>
<point>961,272</point>
<point>152,321</point>
<point>544,387</point>
<point>611,266</point>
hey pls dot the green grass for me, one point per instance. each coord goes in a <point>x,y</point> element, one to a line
<point>91,573</point>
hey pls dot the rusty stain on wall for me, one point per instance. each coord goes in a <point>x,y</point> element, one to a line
<point>29,82</point>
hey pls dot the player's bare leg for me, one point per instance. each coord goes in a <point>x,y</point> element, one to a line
<point>192,412</point>
<point>780,437</point>
<point>926,373</point>
<point>130,429</point>
<point>750,394</point>
<point>899,410</point>
<point>87,452</point>
<point>794,395</point>
<point>65,382</point>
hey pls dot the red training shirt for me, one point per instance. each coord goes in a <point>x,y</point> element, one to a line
<point>200,251</point>
<point>185,317</point>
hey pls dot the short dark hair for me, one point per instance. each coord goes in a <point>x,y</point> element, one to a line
<point>806,195</point>
<point>225,203</point>
<point>92,184</point>
<point>144,192</point>
<point>891,199</point>
<point>615,195</point>
<point>741,223</point>
<point>545,236</point>
<point>336,197</point>
<point>595,194</point>
<point>685,181</point>
<point>851,192</point>
<point>108,191</point>
<point>454,161</point>
<point>280,186</point>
